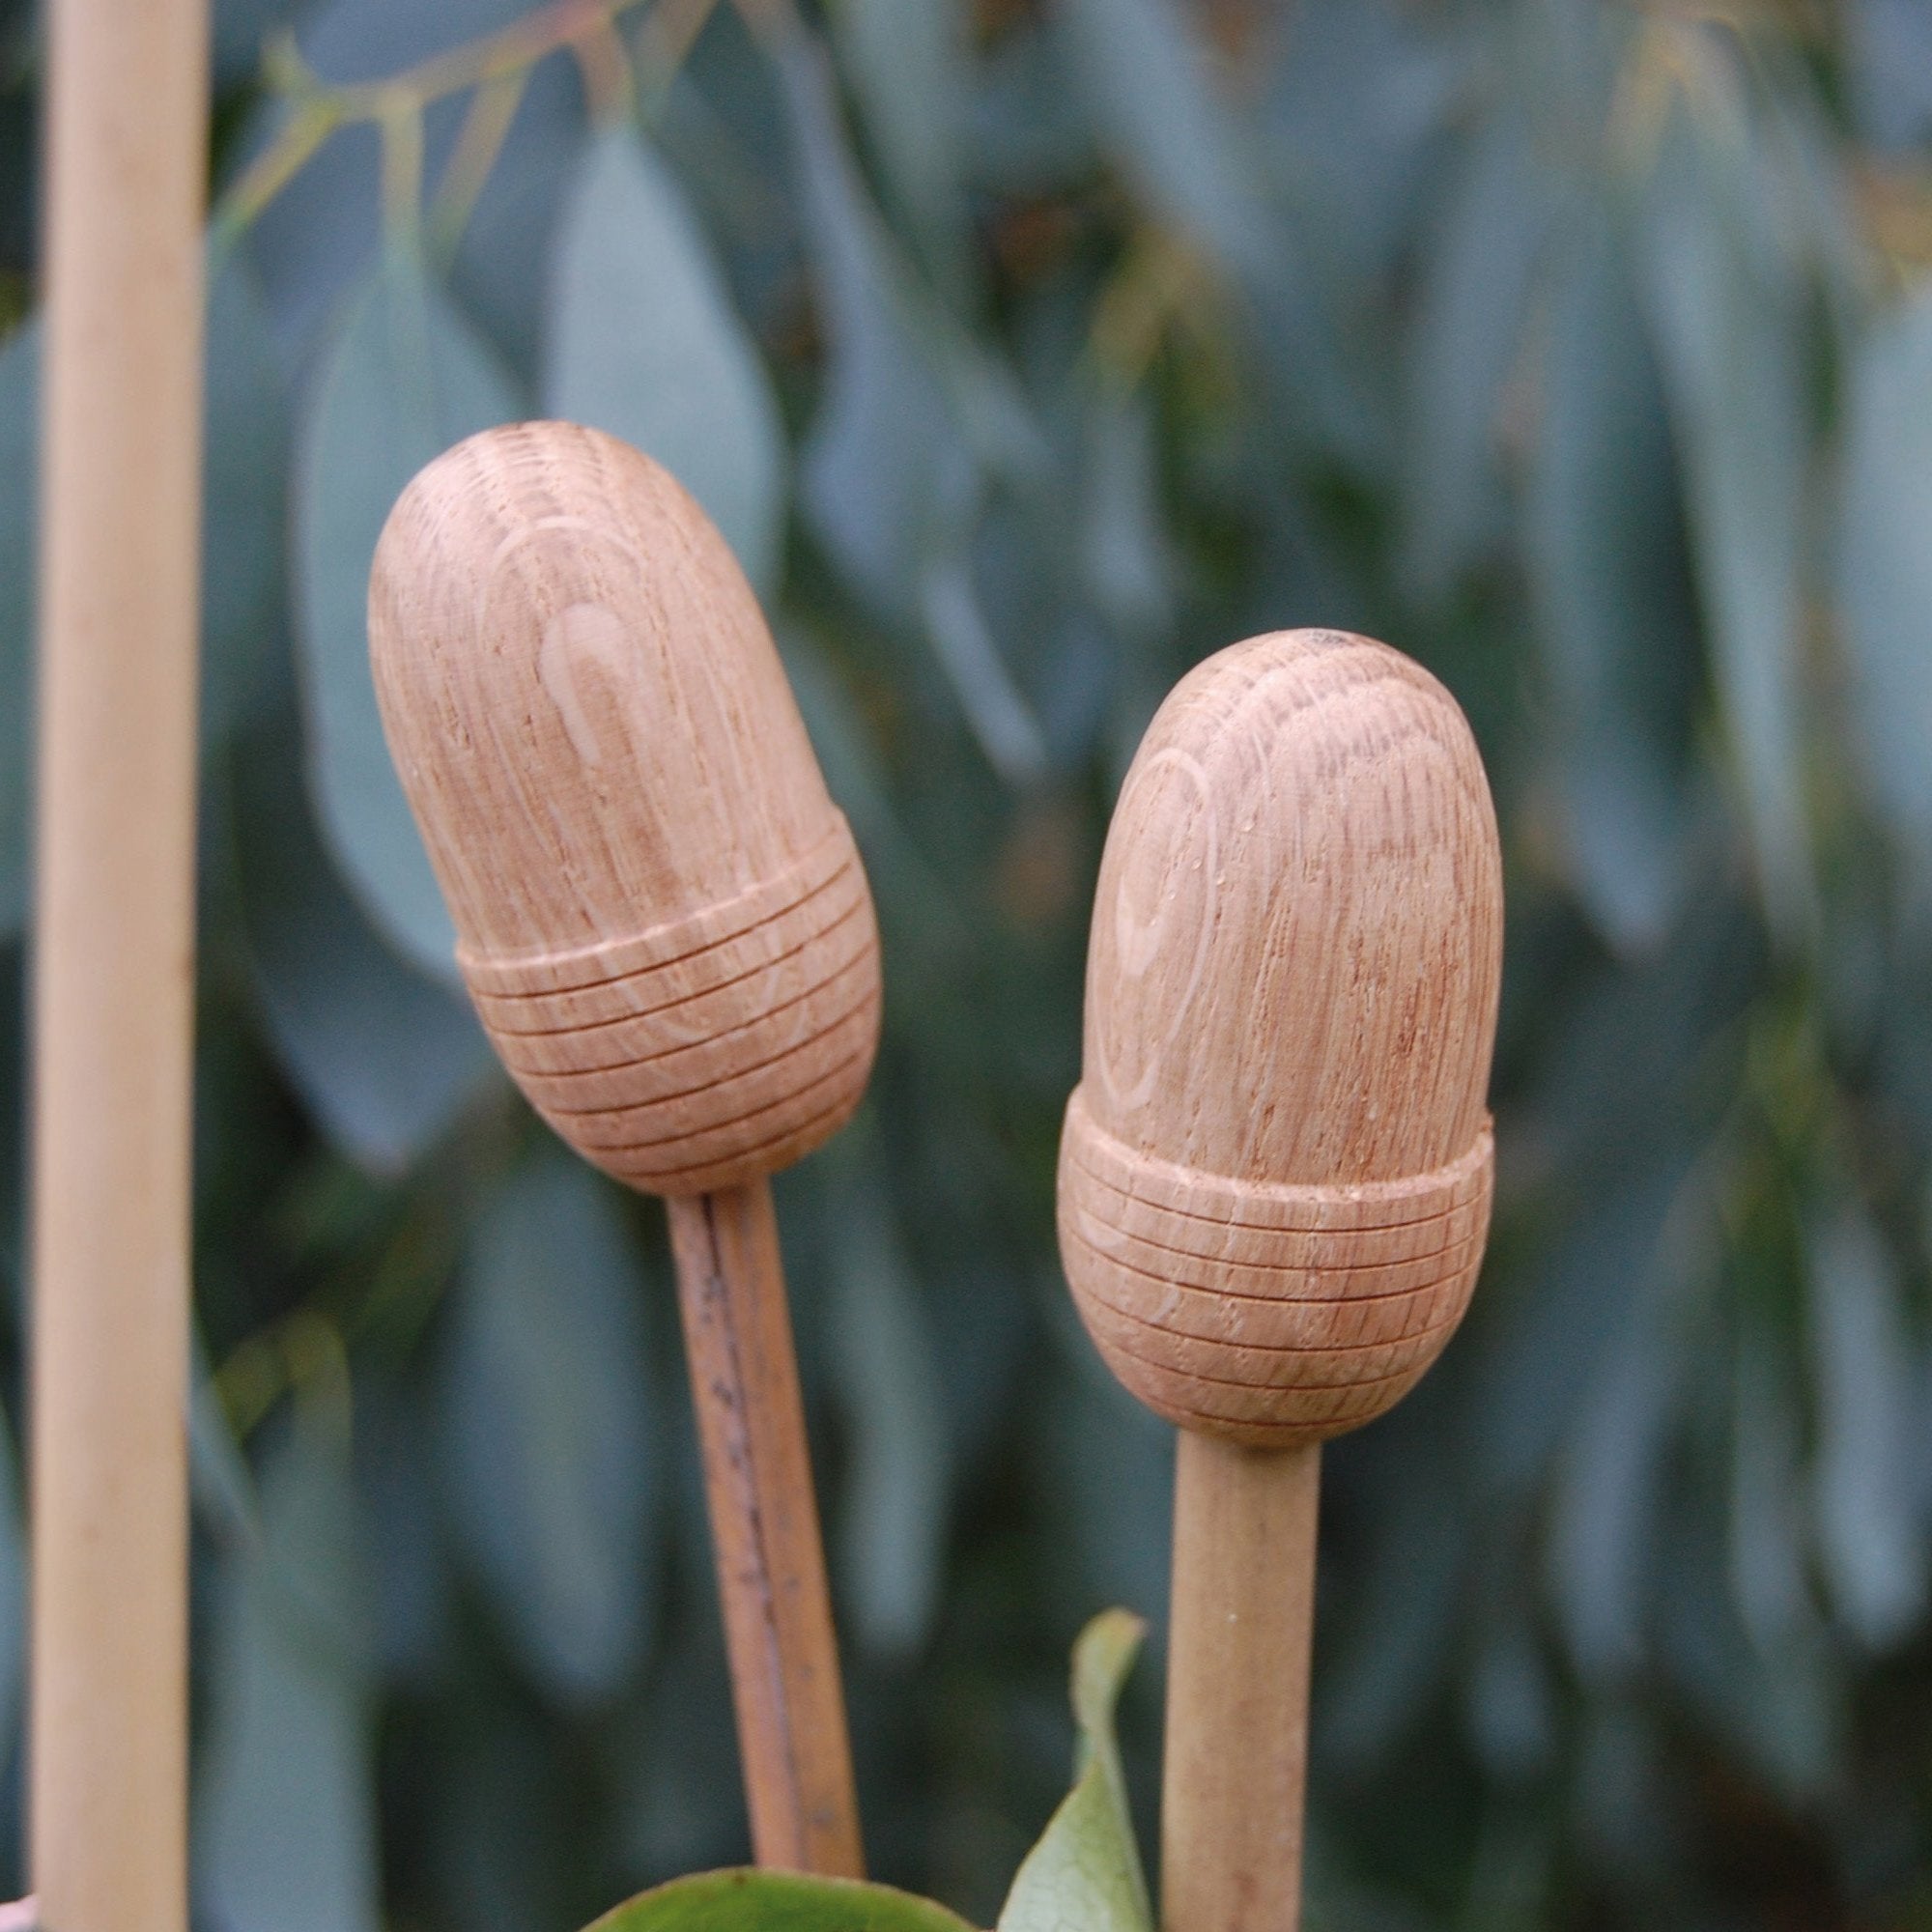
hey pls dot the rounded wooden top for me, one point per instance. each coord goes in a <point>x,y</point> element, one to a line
<point>1295,956</point>
<point>660,916</point>
<point>582,697</point>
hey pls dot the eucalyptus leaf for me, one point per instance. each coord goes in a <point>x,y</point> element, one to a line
<point>13,1554</point>
<point>1868,1531</point>
<point>1610,577</point>
<point>740,1901</point>
<point>1610,1488</point>
<point>403,377</point>
<point>894,1517</point>
<point>887,475</point>
<point>1165,122</point>
<point>1884,564</point>
<point>245,507</point>
<point>1767,1543</point>
<point>1891,48</point>
<point>1464,345</point>
<point>285,1825</point>
<point>896,460</point>
<point>384,1058</point>
<point>20,472</point>
<point>1727,312</point>
<point>545,1453</point>
<point>909,60</point>
<point>1126,557</point>
<point>1086,1871</point>
<point>643,343</point>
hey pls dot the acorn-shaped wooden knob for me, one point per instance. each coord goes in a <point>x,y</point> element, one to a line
<point>661,915</point>
<point>1275,1175</point>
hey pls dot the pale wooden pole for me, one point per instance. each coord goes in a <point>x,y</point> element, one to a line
<point>666,931</point>
<point>1240,1620</point>
<point>1275,1175</point>
<point>113,962</point>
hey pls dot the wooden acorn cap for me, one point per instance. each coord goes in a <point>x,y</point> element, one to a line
<point>1276,1171</point>
<point>660,916</point>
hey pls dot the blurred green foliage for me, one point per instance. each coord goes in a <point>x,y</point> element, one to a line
<point>1028,351</point>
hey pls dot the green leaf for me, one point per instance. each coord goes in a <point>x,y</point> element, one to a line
<point>404,377</point>
<point>1869,1529</point>
<point>19,473</point>
<point>908,61</point>
<point>750,1901</point>
<point>893,1518</point>
<point>1463,348</point>
<point>545,1451</point>
<point>1728,316</point>
<point>384,1058</point>
<point>1085,1874</point>
<point>1611,585</point>
<point>285,1837</point>
<point>912,420</point>
<point>1610,1488</point>
<point>1163,121</point>
<point>643,343</point>
<point>1767,1548</point>
<point>886,472</point>
<point>1889,45</point>
<point>1126,561</point>
<point>13,1587</point>
<point>1884,564</point>
<point>911,423</point>
<point>245,471</point>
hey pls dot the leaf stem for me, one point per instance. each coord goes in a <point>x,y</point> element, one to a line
<point>496,65</point>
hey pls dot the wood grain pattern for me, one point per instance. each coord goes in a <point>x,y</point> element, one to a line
<point>1290,1010</point>
<point>114,962</point>
<point>1276,1173</point>
<point>667,932</point>
<point>660,916</point>
<point>1240,1617</point>
<point>785,1672</point>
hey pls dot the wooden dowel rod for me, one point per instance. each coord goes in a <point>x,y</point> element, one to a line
<point>113,980</point>
<point>764,1529</point>
<point>1242,1613</point>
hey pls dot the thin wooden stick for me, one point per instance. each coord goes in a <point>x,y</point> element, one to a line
<point>665,928</point>
<point>1242,1613</point>
<point>764,1528</point>
<point>114,962</point>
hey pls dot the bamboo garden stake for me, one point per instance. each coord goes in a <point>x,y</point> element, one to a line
<point>1276,1169</point>
<point>113,963</point>
<point>666,931</point>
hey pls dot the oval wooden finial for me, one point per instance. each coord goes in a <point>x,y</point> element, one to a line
<point>659,914</point>
<point>1275,1175</point>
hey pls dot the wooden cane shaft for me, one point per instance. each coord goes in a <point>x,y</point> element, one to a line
<point>1242,1612</point>
<point>114,962</point>
<point>764,1528</point>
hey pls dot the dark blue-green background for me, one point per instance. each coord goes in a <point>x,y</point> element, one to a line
<point>1028,352</point>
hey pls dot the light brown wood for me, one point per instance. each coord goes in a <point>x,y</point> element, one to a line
<point>113,973</point>
<point>1276,1172</point>
<point>1241,1613</point>
<point>764,1527</point>
<point>661,914</point>
<point>667,932</point>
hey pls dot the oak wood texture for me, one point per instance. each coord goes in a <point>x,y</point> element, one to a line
<point>667,932</point>
<point>660,916</point>
<point>758,1474</point>
<point>113,970</point>
<point>1276,1173</point>
<point>1242,1612</point>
